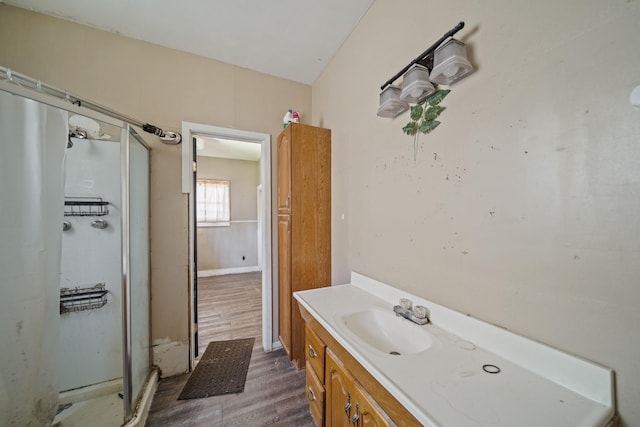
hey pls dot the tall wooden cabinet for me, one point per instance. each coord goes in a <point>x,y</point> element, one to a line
<point>304,226</point>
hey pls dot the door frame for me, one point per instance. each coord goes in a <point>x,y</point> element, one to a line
<point>189,130</point>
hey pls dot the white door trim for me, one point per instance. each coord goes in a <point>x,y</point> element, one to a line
<point>189,130</point>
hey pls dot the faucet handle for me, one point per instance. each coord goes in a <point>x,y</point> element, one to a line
<point>420,311</point>
<point>406,303</point>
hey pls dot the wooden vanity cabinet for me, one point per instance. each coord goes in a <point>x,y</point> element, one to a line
<point>339,400</point>
<point>304,226</point>
<point>315,395</point>
<point>348,403</point>
<point>369,412</point>
<point>315,350</point>
<point>352,397</point>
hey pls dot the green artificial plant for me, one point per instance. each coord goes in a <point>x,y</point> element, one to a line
<point>423,116</point>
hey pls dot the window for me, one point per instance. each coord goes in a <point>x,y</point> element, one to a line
<point>212,198</point>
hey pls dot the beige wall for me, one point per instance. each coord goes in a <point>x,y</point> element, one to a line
<point>236,245</point>
<point>163,87</point>
<point>243,177</point>
<point>523,207</point>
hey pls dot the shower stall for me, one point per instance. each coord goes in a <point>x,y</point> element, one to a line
<point>74,264</point>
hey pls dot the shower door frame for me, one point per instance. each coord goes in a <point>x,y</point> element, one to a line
<point>126,128</point>
<point>127,351</point>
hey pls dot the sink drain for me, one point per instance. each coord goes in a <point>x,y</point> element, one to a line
<point>395,353</point>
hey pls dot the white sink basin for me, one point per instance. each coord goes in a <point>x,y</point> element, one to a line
<point>384,331</point>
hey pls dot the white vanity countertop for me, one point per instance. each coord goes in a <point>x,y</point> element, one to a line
<point>446,384</point>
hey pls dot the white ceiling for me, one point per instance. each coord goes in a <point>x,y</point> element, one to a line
<point>207,146</point>
<point>293,39</point>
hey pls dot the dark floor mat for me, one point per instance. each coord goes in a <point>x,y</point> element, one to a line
<point>221,370</point>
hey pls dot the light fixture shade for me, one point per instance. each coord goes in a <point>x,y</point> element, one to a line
<point>390,103</point>
<point>416,86</point>
<point>450,63</point>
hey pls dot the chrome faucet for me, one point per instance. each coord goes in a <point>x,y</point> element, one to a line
<point>418,314</point>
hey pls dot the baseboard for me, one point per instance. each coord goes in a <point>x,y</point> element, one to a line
<point>276,346</point>
<point>224,271</point>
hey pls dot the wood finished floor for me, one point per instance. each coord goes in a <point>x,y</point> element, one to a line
<point>229,307</point>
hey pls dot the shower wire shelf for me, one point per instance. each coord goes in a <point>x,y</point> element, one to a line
<point>85,206</point>
<point>82,299</point>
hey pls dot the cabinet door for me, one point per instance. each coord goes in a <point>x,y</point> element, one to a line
<point>314,348</point>
<point>348,404</point>
<point>367,412</point>
<point>339,386</point>
<point>284,282</point>
<point>315,396</point>
<point>284,172</point>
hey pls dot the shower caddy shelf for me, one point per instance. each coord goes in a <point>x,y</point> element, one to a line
<point>82,299</point>
<point>85,206</point>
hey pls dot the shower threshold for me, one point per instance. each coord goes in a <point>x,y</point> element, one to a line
<point>96,405</point>
<point>100,405</point>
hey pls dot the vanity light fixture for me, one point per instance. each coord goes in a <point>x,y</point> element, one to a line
<point>444,63</point>
<point>390,103</point>
<point>416,86</point>
<point>450,63</point>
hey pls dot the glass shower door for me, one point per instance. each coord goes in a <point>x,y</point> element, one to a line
<point>139,265</point>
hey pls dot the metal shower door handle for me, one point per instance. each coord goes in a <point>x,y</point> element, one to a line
<point>100,224</point>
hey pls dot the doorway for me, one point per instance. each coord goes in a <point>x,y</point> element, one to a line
<point>192,132</point>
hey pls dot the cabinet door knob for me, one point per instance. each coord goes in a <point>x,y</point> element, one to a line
<point>310,394</point>
<point>356,417</point>
<point>312,352</point>
<point>347,407</point>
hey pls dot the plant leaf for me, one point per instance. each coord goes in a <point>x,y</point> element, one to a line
<point>438,96</point>
<point>411,128</point>
<point>416,112</point>
<point>433,112</point>
<point>428,126</point>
